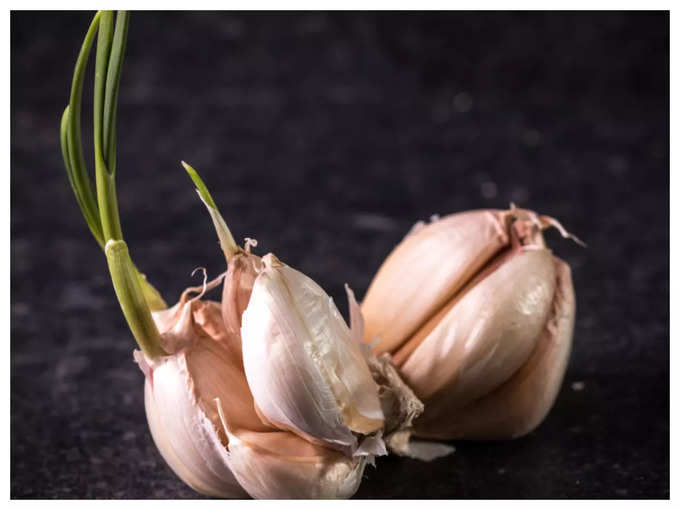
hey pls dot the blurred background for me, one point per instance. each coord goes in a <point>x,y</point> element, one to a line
<point>326,137</point>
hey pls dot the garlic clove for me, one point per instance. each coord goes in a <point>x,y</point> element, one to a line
<point>162,442</point>
<point>181,391</point>
<point>520,404</point>
<point>484,336</point>
<point>283,465</point>
<point>184,435</point>
<point>218,374</point>
<point>425,271</point>
<point>305,371</point>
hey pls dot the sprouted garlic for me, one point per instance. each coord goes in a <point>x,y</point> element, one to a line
<point>269,393</point>
<point>216,433</point>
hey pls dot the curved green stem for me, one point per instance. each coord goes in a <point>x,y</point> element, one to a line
<point>93,222</point>
<point>72,145</point>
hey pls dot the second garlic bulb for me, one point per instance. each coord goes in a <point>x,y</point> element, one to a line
<point>478,315</point>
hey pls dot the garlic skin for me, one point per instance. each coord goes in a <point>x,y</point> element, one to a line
<point>445,254</point>
<point>203,419</point>
<point>179,414</point>
<point>485,335</point>
<point>521,403</point>
<point>306,369</point>
<point>242,271</point>
<point>487,322</point>
<point>184,436</point>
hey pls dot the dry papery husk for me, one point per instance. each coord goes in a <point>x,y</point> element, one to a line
<point>401,407</point>
<point>486,309</point>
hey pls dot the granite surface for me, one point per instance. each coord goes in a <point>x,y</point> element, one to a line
<point>326,136</point>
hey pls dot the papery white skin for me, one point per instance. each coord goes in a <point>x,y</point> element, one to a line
<point>305,368</point>
<point>199,407</point>
<point>183,434</point>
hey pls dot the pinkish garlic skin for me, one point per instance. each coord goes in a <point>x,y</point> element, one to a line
<point>470,239</point>
<point>487,335</point>
<point>238,285</point>
<point>519,405</point>
<point>487,351</point>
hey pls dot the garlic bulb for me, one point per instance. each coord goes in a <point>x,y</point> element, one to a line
<point>305,367</point>
<point>481,327</point>
<point>203,420</point>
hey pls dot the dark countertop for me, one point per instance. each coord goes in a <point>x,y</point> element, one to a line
<point>326,136</point>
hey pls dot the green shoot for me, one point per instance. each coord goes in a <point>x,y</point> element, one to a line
<point>72,145</point>
<point>112,87</point>
<point>227,243</point>
<point>137,297</point>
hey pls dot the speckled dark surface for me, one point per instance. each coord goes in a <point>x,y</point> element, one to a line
<point>326,137</point>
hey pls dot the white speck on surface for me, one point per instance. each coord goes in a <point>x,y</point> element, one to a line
<point>488,189</point>
<point>532,138</point>
<point>617,164</point>
<point>377,222</point>
<point>462,102</point>
<point>578,386</point>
